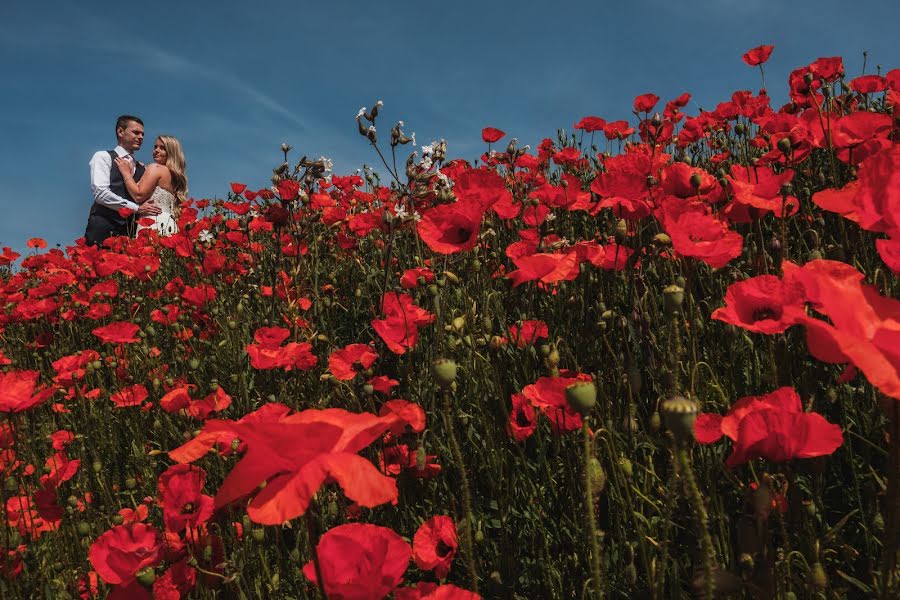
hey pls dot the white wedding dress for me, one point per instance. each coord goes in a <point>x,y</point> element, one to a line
<point>164,223</point>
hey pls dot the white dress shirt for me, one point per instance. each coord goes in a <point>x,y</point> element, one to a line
<point>101,163</point>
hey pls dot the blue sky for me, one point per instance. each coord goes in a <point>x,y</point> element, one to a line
<point>234,79</point>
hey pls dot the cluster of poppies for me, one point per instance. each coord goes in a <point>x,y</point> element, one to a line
<point>320,304</point>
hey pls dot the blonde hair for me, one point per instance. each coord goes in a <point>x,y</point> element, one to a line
<point>175,164</point>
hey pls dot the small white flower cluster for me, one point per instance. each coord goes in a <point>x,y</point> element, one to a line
<point>205,236</point>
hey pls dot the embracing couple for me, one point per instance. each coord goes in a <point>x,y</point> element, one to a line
<point>119,181</point>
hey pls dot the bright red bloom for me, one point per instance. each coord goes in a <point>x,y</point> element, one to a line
<point>350,360</point>
<point>645,102</point>
<point>863,327</point>
<point>132,395</point>
<point>758,55</point>
<point>492,134</point>
<point>530,332</point>
<point>548,394</point>
<point>120,332</point>
<point>17,391</point>
<point>237,188</point>
<point>869,84</point>
<point>451,228</point>
<point>591,124</point>
<point>182,499</point>
<point>698,234</point>
<point>522,418</point>
<point>410,277</point>
<point>763,304</point>
<point>435,544</point>
<point>36,243</point>
<point>773,427</point>
<point>176,583</point>
<point>121,552</point>
<point>288,189</point>
<point>360,562</point>
<point>761,188</point>
<point>400,326</point>
<point>268,354</point>
<point>425,590</point>
<point>294,472</point>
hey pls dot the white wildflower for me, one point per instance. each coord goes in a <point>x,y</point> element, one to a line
<point>416,216</point>
<point>361,112</point>
<point>400,211</point>
<point>327,163</point>
<point>205,236</point>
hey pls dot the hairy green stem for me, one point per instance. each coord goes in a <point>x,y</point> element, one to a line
<point>589,509</point>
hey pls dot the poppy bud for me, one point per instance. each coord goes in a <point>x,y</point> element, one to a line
<point>673,296</point>
<point>444,371</point>
<point>679,414</point>
<point>655,422</point>
<point>84,529</point>
<point>817,577</point>
<point>582,396</point>
<point>784,145</point>
<point>118,520</point>
<point>696,180</point>
<point>596,477</point>
<point>130,483</point>
<point>459,323</point>
<point>626,467</point>
<point>621,231</point>
<point>662,240</point>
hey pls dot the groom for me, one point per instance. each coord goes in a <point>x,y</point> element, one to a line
<point>108,187</point>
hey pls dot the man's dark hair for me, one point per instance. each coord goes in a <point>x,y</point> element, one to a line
<point>124,120</point>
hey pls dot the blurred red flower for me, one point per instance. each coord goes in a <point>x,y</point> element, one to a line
<point>548,394</point>
<point>451,228</point>
<point>132,395</point>
<point>698,234</point>
<point>530,332</point>
<point>118,554</point>
<point>522,418</point>
<point>38,243</point>
<point>237,188</point>
<point>491,134</point>
<point>17,391</point>
<point>773,427</point>
<point>645,102</point>
<point>350,360</point>
<point>591,124</point>
<point>359,561</point>
<point>120,332</point>
<point>400,326</point>
<point>294,472</point>
<point>758,55</point>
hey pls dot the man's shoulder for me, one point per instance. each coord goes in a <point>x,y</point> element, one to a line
<point>101,155</point>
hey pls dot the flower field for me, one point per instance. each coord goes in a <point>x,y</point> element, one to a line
<point>655,358</point>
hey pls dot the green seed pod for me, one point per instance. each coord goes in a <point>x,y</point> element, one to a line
<point>259,533</point>
<point>444,371</point>
<point>118,519</point>
<point>479,536</point>
<point>295,556</point>
<point>97,466</point>
<point>818,580</point>
<point>626,467</point>
<point>195,364</point>
<point>596,477</point>
<point>10,484</point>
<point>130,483</point>
<point>582,397</point>
<point>84,529</point>
<point>673,297</point>
<point>146,576</point>
<point>679,414</point>
<point>655,422</point>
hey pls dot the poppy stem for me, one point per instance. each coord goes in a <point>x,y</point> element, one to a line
<point>596,568</point>
<point>312,536</point>
<point>889,575</point>
<point>699,508</point>
<point>466,491</point>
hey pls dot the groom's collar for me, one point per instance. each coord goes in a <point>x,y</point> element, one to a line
<point>121,151</point>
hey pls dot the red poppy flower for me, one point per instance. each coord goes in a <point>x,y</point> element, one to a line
<point>696,233</point>
<point>176,583</point>
<point>409,414</point>
<point>773,427</point>
<point>545,267</point>
<point>182,499</point>
<point>350,360</point>
<point>359,561</point>
<point>237,188</point>
<point>678,180</point>
<point>268,354</point>
<point>400,326</point>
<point>763,304</point>
<point>548,394</point>
<point>758,55</point>
<point>530,332</point>
<point>130,396</point>
<point>426,590</point>
<point>410,277</point>
<point>288,189</point>
<point>869,84</point>
<point>294,472</point>
<point>38,243</point>
<point>8,256</point>
<point>17,391</point>
<point>435,544</point>
<point>120,332</point>
<point>451,228</point>
<point>491,135</point>
<point>118,554</point>
<point>591,124</point>
<point>645,102</point>
<point>761,188</point>
<point>864,326</point>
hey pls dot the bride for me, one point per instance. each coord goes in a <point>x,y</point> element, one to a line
<point>164,183</point>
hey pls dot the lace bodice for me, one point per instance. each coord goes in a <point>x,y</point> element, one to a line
<point>164,199</point>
